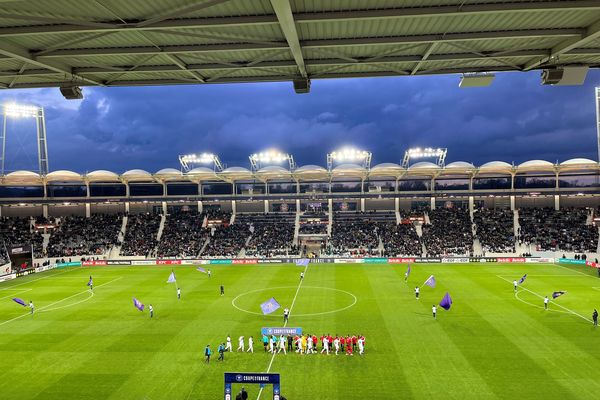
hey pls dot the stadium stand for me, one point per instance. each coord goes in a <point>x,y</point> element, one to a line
<point>562,230</point>
<point>183,235</point>
<point>77,236</point>
<point>495,230</point>
<point>227,240</point>
<point>272,234</point>
<point>448,233</point>
<point>400,240</point>
<point>140,236</point>
<point>354,234</point>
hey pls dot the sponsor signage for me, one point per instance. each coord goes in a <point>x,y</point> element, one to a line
<point>244,377</point>
<point>511,260</point>
<point>94,262</point>
<point>168,262</point>
<point>118,262</point>
<point>571,261</point>
<point>540,260</point>
<point>198,262</point>
<point>483,259</point>
<point>7,277</point>
<point>245,261</point>
<point>400,260</point>
<point>375,260</point>
<point>455,260</point>
<point>69,264</point>
<point>592,264</point>
<point>271,261</point>
<point>348,261</point>
<point>281,331</point>
<point>428,260</point>
<point>143,262</point>
<point>220,261</point>
<point>315,260</point>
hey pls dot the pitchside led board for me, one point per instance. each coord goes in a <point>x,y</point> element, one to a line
<point>281,331</point>
<point>246,378</point>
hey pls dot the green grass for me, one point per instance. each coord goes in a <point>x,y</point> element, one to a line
<point>491,344</point>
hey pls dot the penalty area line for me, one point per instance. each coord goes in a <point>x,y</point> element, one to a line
<point>541,297</point>
<point>284,325</point>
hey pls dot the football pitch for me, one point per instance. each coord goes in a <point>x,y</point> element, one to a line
<point>492,343</point>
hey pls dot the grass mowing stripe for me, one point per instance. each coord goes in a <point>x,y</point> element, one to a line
<point>56,302</point>
<point>39,279</point>
<point>285,324</point>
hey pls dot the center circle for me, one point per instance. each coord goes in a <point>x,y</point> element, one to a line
<point>347,294</point>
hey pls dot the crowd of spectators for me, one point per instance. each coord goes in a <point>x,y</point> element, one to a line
<point>495,230</point>
<point>352,232</point>
<point>140,235</point>
<point>182,235</point>
<point>272,234</point>
<point>77,236</point>
<point>313,228</point>
<point>400,240</point>
<point>552,230</point>
<point>227,240</point>
<point>448,233</point>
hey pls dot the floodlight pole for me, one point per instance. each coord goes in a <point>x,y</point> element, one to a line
<point>42,143</point>
<point>598,120</point>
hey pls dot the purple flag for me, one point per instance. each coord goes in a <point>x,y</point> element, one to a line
<point>201,270</point>
<point>171,278</point>
<point>446,302</point>
<point>138,304</point>
<point>557,294</point>
<point>302,262</point>
<point>406,275</point>
<point>430,281</point>
<point>270,306</point>
<point>19,301</point>
<point>522,279</point>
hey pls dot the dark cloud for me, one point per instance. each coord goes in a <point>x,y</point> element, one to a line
<point>516,119</point>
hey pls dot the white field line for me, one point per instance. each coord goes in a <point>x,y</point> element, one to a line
<point>39,279</point>
<point>284,325</point>
<point>541,297</point>
<point>56,302</point>
<point>573,270</point>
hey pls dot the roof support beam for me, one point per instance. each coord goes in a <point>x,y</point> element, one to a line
<point>426,55</point>
<point>56,26</point>
<point>320,43</point>
<point>19,53</point>
<point>591,32</point>
<point>283,10</point>
<point>195,6</point>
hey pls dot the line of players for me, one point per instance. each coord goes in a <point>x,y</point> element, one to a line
<point>303,344</point>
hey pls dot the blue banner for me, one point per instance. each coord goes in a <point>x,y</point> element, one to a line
<point>281,331</point>
<point>570,261</point>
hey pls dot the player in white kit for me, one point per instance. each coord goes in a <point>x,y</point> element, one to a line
<point>282,344</point>
<point>299,344</point>
<point>271,345</point>
<point>336,344</point>
<point>361,345</point>
<point>250,345</point>
<point>228,344</point>
<point>309,345</point>
<point>241,344</point>
<point>325,346</point>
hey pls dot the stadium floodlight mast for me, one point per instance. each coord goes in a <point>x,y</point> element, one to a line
<point>438,153</point>
<point>188,161</point>
<point>349,155</point>
<point>19,111</point>
<point>270,157</point>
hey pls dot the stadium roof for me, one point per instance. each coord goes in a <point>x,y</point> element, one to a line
<point>308,172</point>
<point>50,43</point>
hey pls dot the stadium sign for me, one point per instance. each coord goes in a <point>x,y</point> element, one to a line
<point>570,261</point>
<point>143,262</point>
<point>348,261</point>
<point>245,261</point>
<point>168,262</point>
<point>483,260</point>
<point>511,260</point>
<point>69,264</point>
<point>218,261</point>
<point>252,378</point>
<point>375,260</point>
<point>455,260</point>
<point>94,262</point>
<point>428,260</point>
<point>281,331</point>
<point>400,260</point>
<point>118,262</point>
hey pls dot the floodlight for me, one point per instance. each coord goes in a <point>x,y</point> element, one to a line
<point>428,152</point>
<point>187,161</point>
<point>476,80</point>
<point>20,111</point>
<point>13,110</point>
<point>351,155</point>
<point>270,157</point>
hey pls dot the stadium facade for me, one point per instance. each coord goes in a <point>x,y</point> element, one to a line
<point>388,186</point>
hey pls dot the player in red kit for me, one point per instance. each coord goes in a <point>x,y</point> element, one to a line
<point>349,346</point>
<point>354,341</point>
